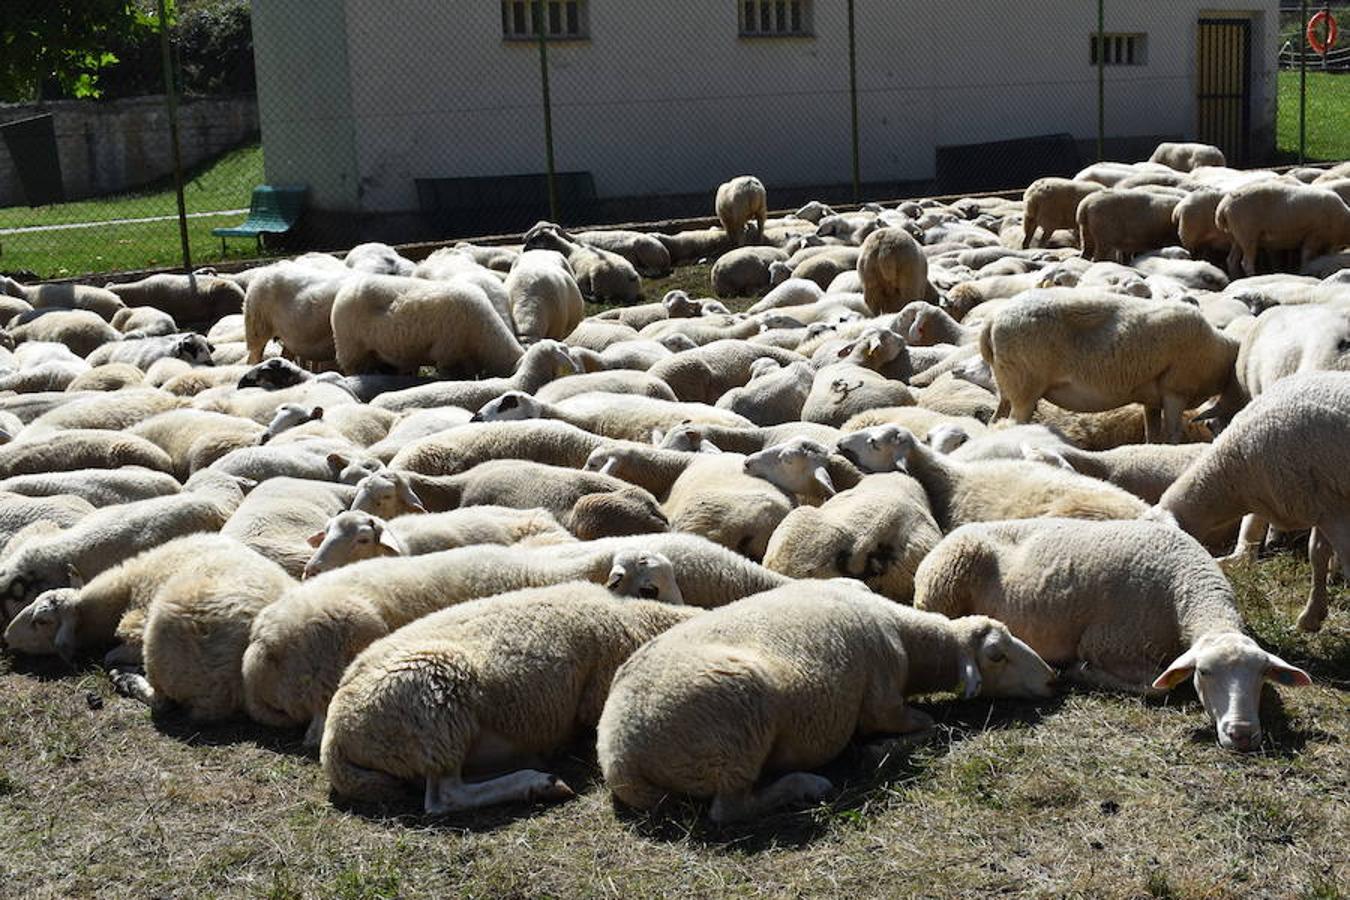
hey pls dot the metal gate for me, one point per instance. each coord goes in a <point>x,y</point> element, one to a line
<point>1223,92</point>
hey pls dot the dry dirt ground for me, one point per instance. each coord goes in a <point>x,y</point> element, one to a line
<point>1090,795</point>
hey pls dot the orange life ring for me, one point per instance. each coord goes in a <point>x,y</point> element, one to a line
<point>1315,40</point>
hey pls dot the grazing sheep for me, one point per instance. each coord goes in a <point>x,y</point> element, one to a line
<point>409,322</point>
<point>601,275</point>
<point>352,536</point>
<point>1089,351</point>
<point>110,535</point>
<point>1282,459</point>
<point>894,271</point>
<point>876,532</point>
<point>144,352</point>
<point>1274,215</point>
<point>617,416</point>
<point>738,203</point>
<point>293,304</point>
<point>301,644</point>
<point>187,298</point>
<point>1118,223</point>
<point>460,449</point>
<point>1052,204</point>
<point>1117,602</point>
<point>491,684</point>
<point>545,299</point>
<point>64,296</point>
<point>541,363</point>
<point>81,331</point>
<point>744,272</point>
<point>783,681</point>
<point>1185,157</point>
<point>101,487</point>
<point>987,490</point>
<point>69,450</point>
<point>1196,229</point>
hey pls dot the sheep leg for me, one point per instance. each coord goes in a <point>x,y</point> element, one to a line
<point>137,687</point>
<point>1249,252</point>
<point>1023,411</point>
<point>123,656</point>
<point>1319,555</point>
<point>791,790</point>
<point>1172,408</point>
<point>1099,679</point>
<point>452,794</point>
<point>314,733</point>
<point>1152,425</point>
<point>1251,534</point>
<point>1234,264</point>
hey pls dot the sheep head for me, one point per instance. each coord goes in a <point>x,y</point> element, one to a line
<point>512,406</point>
<point>650,576</point>
<point>882,448</point>
<point>386,494</point>
<point>288,416</point>
<point>1228,669</point>
<point>273,374</point>
<point>46,626</point>
<point>994,663</point>
<point>350,537</point>
<point>798,466</point>
<point>194,350</point>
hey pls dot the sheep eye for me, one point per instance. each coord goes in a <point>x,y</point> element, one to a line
<point>1203,673</point>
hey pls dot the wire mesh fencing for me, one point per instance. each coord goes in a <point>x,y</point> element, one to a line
<point>428,121</point>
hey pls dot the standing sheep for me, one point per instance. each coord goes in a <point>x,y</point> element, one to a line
<point>1121,600</point>
<point>1118,223</point>
<point>1274,215</point>
<point>894,271</point>
<point>545,299</point>
<point>782,681</point>
<point>1052,204</point>
<point>497,682</point>
<point>293,304</point>
<point>739,202</point>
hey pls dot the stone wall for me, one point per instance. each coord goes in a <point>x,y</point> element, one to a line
<point>114,146</point>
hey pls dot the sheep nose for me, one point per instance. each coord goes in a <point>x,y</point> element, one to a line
<point>1241,736</point>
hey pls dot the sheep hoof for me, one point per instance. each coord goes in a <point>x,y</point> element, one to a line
<point>1310,621</point>
<point>553,790</point>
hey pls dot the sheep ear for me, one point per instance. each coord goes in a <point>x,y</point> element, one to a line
<point>74,577</point>
<point>971,680</point>
<point>337,462</point>
<point>409,496</point>
<point>64,642</point>
<point>389,542</point>
<point>707,446</point>
<point>845,350</point>
<point>1180,669</point>
<point>822,477</point>
<point>315,539</point>
<point>658,436</point>
<point>1283,673</point>
<point>317,413</point>
<point>609,466</point>
<point>616,575</point>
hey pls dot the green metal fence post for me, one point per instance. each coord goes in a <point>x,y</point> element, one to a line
<point>853,101</point>
<point>1101,80</point>
<point>537,7</point>
<point>171,100</point>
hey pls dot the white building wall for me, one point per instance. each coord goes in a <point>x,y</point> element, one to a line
<point>665,97</point>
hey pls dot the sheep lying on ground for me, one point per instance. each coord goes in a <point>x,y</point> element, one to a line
<point>618,416</point>
<point>987,490</point>
<point>410,322</point>
<point>739,202</point>
<point>695,244</point>
<point>1118,602</point>
<point>1282,459</point>
<point>744,271</point>
<point>64,296</point>
<point>277,518</point>
<point>17,512</point>
<point>144,321</point>
<point>110,535</point>
<point>187,298</point>
<point>783,681</point>
<point>353,536</point>
<point>67,451</point>
<point>622,381</point>
<point>774,396</point>
<point>601,275</point>
<point>1090,351</point>
<point>645,251</point>
<point>81,331</point>
<point>101,487</point>
<point>706,373</point>
<point>1145,470</point>
<point>714,497</point>
<point>484,685</point>
<point>1185,157</point>
<point>460,449</point>
<point>145,352</point>
<point>110,377</point>
<point>876,532</point>
<point>543,362</point>
<point>194,438</point>
<point>301,644</point>
<point>113,411</point>
<point>378,259</point>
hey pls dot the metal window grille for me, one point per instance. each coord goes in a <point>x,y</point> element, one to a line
<point>775,18</point>
<point>563,19</point>
<point>1120,49</point>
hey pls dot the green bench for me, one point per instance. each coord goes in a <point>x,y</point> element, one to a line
<point>274,209</point>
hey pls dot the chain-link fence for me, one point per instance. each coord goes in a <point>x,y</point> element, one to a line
<point>424,120</point>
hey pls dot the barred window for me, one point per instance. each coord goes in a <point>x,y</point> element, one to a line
<point>1121,49</point>
<point>563,20</point>
<point>775,18</point>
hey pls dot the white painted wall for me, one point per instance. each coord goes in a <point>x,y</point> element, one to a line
<point>666,98</point>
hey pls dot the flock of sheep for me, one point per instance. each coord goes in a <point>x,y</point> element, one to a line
<point>937,455</point>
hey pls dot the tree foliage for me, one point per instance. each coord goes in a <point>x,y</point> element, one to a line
<point>59,46</point>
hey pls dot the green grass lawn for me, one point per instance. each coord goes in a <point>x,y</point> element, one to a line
<point>225,183</point>
<point>1328,118</point>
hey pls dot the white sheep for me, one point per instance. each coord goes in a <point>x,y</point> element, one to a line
<point>618,416</point>
<point>1274,215</point>
<point>69,450</point>
<point>695,244</point>
<point>645,251</point>
<point>894,271</point>
<point>704,374</point>
<point>1184,157</point>
<point>515,676</point>
<point>1052,204</point>
<point>410,322</point>
<point>987,490</point>
<point>1116,603</point>
<point>144,352</point>
<point>739,202</point>
<point>378,259</point>
<point>352,536</point>
<point>783,681</point>
<point>542,362</point>
<point>301,644</point>
<point>601,275</point>
<point>772,397</point>
<point>744,271</point>
<point>196,297</point>
<point>292,304</point>
<point>1092,351</point>
<point>112,411</point>
<point>17,512</point>
<point>1282,459</point>
<point>545,299</point>
<point>110,535</point>
<point>64,296</point>
<point>460,449</point>
<point>109,377</point>
<point>1120,222</point>
<point>620,381</point>
<point>194,438</point>
<point>100,487</point>
<point>1145,470</point>
<point>146,321</point>
<point>876,532</point>
<point>81,331</point>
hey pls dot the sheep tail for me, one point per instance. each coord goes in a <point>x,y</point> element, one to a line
<point>987,342</point>
<point>257,326</point>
